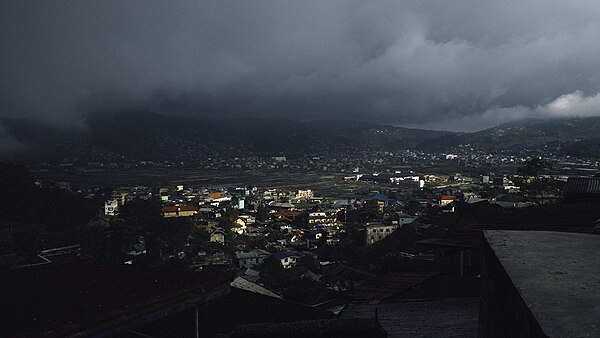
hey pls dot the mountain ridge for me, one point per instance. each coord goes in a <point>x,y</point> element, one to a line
<point>147,135</point>
<point>570,136</point>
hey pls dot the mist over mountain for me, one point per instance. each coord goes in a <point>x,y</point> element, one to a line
<point>147,135</point>
<point>144,135</point>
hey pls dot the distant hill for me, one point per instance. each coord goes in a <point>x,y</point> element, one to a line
<point>144,135</point>
<point>576,137</point>
<point>152,136</point>
<point>41,142</point>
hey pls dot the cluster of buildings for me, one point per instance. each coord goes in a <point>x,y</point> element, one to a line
<point>286,220</point>
<point>275,239</point>
<point>279,242</point>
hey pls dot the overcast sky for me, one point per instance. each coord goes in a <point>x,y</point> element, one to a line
<point>457,65</point>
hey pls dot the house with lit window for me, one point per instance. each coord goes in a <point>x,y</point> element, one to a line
<point>445,200</point>
<point>287,259</point>
<point>217,235</point>
<point>111,207</point>
<point>179,210</point>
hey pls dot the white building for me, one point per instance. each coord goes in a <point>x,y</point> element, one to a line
<point>111,207</point>
<point>288,259</point>
<point>408,179</point>
<point>323,218</point>
<point>379,231</point>
<point>445,200</point>
<point>251,258</point>
<point>249,219</point>
<point>405,218</point>
<point>304,194</point>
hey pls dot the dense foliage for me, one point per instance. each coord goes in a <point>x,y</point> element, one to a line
<point>32,217</point>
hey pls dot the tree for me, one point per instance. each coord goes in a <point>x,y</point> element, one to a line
<point>175,233</point>
<point>18,196</point>
<point>143,217</point>
<point>28,241</point>
<point>370,210</point>
<point>301,220</point>
<point>37,217</point>
<point>533,167</point>
<point>142,212</point>
<point>262,213</point>
<point>227,220</point>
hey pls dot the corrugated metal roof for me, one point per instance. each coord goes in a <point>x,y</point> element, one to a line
<point>582,185</point>
<point>243,284</point>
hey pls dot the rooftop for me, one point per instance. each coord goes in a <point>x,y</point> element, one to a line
<point>457,239</point>
<point>582,185</point>
<point>179,207</point>
<point>379,288</point>
<point>426,318</point>
<point>225,314</point>
<point>557,275</point>
<point>252,254</point>
<point>285,254</point>
<point>216,195</point>
<point>376,196</point>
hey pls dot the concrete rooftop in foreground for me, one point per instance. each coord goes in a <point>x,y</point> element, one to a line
<point>557,275</point>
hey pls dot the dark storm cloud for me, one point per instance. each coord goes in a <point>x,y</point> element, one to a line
<point>462,65</point>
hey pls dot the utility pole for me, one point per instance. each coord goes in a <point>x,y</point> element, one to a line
<point>196,321</point>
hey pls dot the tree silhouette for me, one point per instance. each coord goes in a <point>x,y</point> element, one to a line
<point>533,167</point>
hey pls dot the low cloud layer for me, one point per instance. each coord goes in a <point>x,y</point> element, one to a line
<point>573,105</point>
<point>8,143</point>
<point>460,65</point>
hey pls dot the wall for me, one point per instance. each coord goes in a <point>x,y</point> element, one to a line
<point>502,313</point>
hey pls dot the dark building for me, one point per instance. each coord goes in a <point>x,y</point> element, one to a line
<point>582,189</point>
